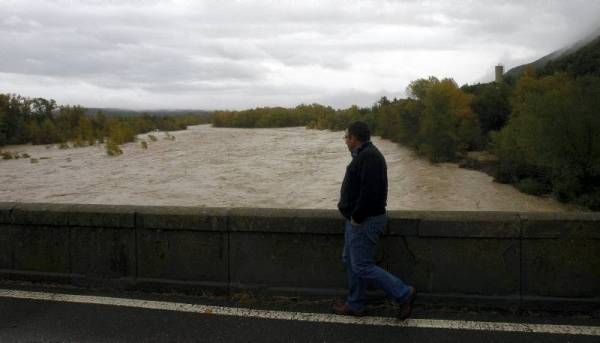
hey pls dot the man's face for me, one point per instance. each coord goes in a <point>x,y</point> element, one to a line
<point>351,141</point>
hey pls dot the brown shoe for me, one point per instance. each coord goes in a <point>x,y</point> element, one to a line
<point>345,310</point>
<point>405,309</point>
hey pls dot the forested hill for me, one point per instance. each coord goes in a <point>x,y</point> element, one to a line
<point>577,61</point>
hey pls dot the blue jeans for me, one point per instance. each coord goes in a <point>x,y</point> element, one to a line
<point>360,245</point>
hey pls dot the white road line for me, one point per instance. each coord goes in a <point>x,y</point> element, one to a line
<point>307,317</point>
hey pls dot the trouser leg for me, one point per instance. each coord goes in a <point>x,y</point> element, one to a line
<point>363,244</point>
<point>356,286</point>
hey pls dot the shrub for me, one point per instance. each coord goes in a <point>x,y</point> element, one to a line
<point>112,149</point>
<point>533,186</point>
<point>590,200</point>
<point>78,143</point>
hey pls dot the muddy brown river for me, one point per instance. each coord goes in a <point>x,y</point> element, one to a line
<point>229,167</point>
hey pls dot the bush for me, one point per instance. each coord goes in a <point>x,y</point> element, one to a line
<point>79,143</point>
<point>112,149</point>
<point>533,186</point>
<point>590,200</point>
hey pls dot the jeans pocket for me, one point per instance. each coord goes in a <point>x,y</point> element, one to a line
<point>360,226</point>
<point>363,228</point>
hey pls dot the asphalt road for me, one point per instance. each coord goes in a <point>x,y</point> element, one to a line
<point>55,320</point>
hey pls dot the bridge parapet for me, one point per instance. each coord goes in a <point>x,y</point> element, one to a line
<point>528,260</point>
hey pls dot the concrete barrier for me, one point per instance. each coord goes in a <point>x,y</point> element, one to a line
<point>526,260</point>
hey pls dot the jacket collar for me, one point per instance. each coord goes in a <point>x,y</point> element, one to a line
<point>360,148</point>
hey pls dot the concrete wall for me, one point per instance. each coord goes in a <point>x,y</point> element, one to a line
<point>508,259</point>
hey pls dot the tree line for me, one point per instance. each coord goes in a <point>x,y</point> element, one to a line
<point>42,121</point>
<point>544,130</point>
<point>438,119</point>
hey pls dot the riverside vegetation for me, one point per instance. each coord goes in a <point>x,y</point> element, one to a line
<point>41,121</point>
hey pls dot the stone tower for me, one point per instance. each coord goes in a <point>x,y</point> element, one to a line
<point>499,73</point>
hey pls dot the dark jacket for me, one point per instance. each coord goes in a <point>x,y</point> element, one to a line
<point>364,190</point>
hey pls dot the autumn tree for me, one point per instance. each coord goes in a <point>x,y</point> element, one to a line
<point>448,126</point>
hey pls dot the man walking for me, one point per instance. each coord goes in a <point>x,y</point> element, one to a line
<point>362,202</point>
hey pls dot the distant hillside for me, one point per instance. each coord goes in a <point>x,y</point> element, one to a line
<point>580,59</point>
<point>113,112</point>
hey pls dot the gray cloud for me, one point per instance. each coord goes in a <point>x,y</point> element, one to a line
<point>211,53</point>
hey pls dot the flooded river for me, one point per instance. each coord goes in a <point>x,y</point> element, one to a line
<point>227,167</point>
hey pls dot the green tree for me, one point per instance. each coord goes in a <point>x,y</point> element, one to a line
<point>418,89</point>
<point>446,127</point>
<point>491,104</point>
<point>43,133</point>
<point>42,109</point>
<point>85,131</point>
<point>552,135</point>
<point>3,124</point>
<point>17,114</point>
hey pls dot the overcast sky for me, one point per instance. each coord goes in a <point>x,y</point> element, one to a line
<point>242,54</point>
